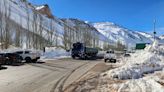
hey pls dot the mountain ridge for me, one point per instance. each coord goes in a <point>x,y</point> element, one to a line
<point>126,36</point>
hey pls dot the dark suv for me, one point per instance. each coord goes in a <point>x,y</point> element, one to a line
<point>12,58</point>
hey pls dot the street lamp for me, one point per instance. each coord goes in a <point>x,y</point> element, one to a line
<point>154,29</point>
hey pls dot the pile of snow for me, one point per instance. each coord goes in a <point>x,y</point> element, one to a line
<point>147,61</point>
<point>55,53</point>
<point>141,85</point>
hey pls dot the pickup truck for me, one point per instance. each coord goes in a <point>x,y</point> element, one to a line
<point>28,55</point>
<point>110,56</point>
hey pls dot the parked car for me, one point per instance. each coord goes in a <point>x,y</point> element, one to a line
<point>110,56</point>
<point>12,58</point>
<point>28,56</point>
<point>2,59</point>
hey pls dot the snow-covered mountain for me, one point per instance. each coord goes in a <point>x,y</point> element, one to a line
<point>151,37</point>
<point>87,33</point>
<point>127,37</point>
<point>82,25</point>
<point>162,37</point>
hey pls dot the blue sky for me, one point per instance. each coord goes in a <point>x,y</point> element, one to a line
<point>133,14</point>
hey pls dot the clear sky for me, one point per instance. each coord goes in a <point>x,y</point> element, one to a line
<point>132,14</point>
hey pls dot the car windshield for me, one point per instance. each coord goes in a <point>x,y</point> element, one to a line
<point>27,52</point>
<point>78,46</point>
<point>19,52</point>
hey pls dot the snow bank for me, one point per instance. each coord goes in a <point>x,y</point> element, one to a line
<point>141,85</point>
<point>147,61</point>
<point>54,53</point>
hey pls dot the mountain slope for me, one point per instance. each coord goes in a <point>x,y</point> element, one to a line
<point>86,29</point>
<point>162,37</point>
<point>124,35</point>
<point>118,33</point>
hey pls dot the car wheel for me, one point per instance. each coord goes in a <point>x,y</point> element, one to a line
<point>21,58</point>
<point>111,60</point>
<point>28,59</point>
<point>114,61</point>
<point>83,57</point>
<point>105,60</point>
<point>73,57</point>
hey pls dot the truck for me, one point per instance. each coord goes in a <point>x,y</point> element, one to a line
<point>28,55</point>
<point>110,56</point>
<point>81,51</point>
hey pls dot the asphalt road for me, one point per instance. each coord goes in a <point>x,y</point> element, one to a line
<point>47,76</point>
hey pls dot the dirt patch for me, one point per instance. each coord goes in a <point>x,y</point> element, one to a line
<point>101,67</point>
<point>94,85</point>
<point>92,80</point>
<point>160,82</point>
<point>95,71</point>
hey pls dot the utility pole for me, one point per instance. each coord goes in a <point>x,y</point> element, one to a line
<point>154,29</point>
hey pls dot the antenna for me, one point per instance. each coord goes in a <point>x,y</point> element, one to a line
<point>154,29</point>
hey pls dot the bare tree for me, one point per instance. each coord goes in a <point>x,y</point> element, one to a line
<point>51,32</point>
<point>28,34</point>
<point>35,28</point>
<point>1,27</point>
<point>17,37</point>
<point>66,38</point>
<point>41,45</point>
<point>120,46</point>
<point>7,27</point>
